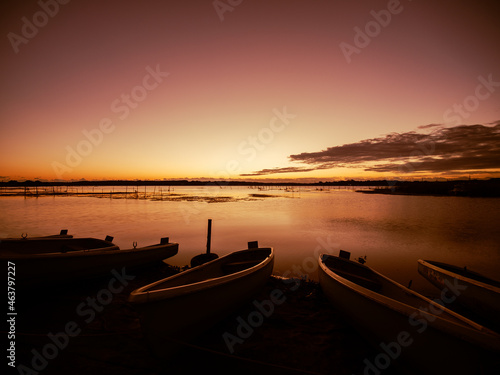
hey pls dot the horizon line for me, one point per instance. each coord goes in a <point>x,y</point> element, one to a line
<point>221,182</point>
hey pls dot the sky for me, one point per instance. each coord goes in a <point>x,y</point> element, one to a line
<point>240,89</point>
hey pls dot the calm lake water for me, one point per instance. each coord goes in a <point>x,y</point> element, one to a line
<point>392,231</point>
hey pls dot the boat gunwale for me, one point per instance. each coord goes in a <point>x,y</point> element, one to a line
<point>143,295</point>
<point>38,238</point>
<point>430,264</point>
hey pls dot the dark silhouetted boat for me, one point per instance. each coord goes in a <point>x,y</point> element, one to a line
<point>41,261</point>
<point>178,308</point>
<point>420,335</point>
<point>479,293</point>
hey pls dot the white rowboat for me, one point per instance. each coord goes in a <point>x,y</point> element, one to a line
<point>175,309</point>
<point>437,340</point>
<point>480,293</point>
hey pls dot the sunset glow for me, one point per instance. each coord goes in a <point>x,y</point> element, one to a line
<point>126,90</point>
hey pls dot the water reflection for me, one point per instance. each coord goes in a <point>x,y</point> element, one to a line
<point>392,231</point>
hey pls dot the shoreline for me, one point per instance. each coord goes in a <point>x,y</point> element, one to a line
<point>163,190</point>
<point>303,335</point>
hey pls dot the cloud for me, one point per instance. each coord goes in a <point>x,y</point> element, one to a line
<point>459,148</point>
<point>429,126</point>
<point>278,170</point>
<point>283,170</point>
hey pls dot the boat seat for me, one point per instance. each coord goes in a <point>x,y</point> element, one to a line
<point>238,266</point>
<point>360,280</point>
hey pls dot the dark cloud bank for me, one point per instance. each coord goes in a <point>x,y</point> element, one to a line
<point>460,148</point>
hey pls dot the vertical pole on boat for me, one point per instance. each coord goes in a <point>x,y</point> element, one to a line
<point>209,235</point>
<point>208,256</point>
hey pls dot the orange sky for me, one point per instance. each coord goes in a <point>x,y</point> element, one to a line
<point>152,90</point>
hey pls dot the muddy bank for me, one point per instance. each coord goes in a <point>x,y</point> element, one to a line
<point>302,334</point>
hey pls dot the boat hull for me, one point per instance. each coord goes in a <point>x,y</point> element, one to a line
<point>184,312</point>
<point>417,340</point>
<point>37,266</point>
<point>481,297</point>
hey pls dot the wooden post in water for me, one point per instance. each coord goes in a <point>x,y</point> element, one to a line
<point>209,235</point>
<point>208,256</point>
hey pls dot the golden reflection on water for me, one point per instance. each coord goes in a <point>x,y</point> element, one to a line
<point>392,231</point>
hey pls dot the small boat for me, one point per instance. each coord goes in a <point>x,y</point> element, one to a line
<point>176,309</point>
<point>479,293</point>
<point>51,260</point>
<point>420,335</point>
